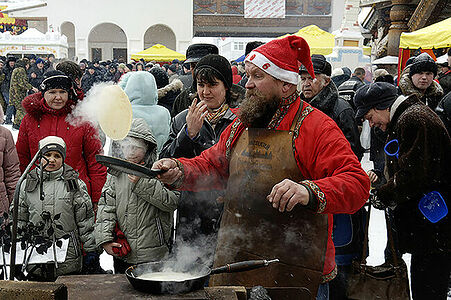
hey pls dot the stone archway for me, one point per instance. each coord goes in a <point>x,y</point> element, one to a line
<point>68,29</point>
<point>160,34</point>
<point>107,41</point>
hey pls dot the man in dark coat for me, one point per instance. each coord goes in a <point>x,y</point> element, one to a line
<point>445,78</point>
<point>348,88</point>
<point>193,54</point>
<point>348,234</point>
<point>89,78</point>
<point>8,71</point>
<point>420,166</point>
<point>36,73</point>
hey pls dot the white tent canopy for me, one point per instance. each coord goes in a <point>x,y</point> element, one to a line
<point>32,41</point>
<point>386,60</point>
<point>442,59</point>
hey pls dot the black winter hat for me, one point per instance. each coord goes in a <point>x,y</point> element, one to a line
<point>173,68</point>
<point>251,46</point>
<point>320,65</point>
<point>196,51</point>
<point>11,58</point>
<point>219,64</point>
<point>57,80</point>
<point>379,95</point>
<point>161,78</point>
<point>423,63</point>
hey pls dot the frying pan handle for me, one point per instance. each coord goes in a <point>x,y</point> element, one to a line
<point>242,266</point>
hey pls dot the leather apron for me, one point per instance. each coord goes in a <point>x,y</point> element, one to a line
<point>252,229</point>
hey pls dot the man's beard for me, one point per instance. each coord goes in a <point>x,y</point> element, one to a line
<point>256,111</point>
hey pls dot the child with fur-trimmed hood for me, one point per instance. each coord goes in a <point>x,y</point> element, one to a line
<point>134,219</point>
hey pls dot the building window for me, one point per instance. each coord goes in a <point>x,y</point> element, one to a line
<point>238,46</point>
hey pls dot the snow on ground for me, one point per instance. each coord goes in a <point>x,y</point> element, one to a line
<point>377,230</point>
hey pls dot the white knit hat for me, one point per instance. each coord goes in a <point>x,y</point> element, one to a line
<point>53,143</point>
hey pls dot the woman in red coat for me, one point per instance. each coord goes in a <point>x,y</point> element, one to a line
<point>46,115</point>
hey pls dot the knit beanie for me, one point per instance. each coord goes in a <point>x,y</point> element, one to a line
<point>161,78</point>
<point>53,143</point>
<point>280,58</point>
<point>423,63</point>
<point>378,95</point>
<point>57,80</point>
<point>219,64</point>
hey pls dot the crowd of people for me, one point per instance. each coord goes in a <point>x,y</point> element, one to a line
<point>255,156</point>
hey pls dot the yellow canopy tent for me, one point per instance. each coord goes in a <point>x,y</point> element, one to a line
<point>320,41</point>
<point>435,36</point>
<point>158,52</point>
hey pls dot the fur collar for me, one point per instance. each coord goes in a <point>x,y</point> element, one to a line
<point>325,99</point>
<point>407,87</point>
<point>176,85</point>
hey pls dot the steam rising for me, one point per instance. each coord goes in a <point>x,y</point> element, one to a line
<point>87,110</point>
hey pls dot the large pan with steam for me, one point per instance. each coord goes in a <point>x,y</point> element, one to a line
<point>168,277</point>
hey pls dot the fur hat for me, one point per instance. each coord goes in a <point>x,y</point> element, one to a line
<point>280,58</point>
<point>70,68</point>
<point>53,143</point>
<point>219,64</point>
<point>423,63</point>
<point>379,95</point>
<point>320,65</point>
<point>161,78</point>
<point>196,51</point>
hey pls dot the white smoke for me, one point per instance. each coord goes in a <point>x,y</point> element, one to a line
<point>87,110</point>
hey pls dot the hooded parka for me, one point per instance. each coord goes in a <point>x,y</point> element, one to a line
<point>143,210</point>
<point>67,195</point>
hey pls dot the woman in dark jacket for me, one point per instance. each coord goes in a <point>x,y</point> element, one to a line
<point>195,130</point>
<point>419,164</point>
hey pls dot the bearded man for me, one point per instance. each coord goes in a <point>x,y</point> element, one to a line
<point>286,168</point>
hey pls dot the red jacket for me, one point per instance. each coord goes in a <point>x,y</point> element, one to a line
<point>323,155</point>
<point>235,77</point>
<point>82,142</point>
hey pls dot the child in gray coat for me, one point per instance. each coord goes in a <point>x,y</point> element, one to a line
<point>64,194</point>
<point>134,218</point>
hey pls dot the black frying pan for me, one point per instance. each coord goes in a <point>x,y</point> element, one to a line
<point>199,275</point>
<point>127,167</point>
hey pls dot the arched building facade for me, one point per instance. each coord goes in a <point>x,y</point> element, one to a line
<point>101,30</point>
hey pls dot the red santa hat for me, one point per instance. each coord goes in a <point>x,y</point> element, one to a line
<point>279,58</point>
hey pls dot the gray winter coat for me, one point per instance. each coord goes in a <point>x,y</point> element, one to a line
<point>74,205</point>
<point>142,210</point>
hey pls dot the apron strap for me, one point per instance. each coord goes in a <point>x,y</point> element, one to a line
<point>297,116</point>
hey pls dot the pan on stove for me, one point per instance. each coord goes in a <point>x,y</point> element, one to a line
<point>127,167</point>
<point>197,275</point>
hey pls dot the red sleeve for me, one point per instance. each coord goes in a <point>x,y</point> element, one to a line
<point>334,173</point>
<point>209,170</point>
<point>22,145</point>
<point>96,172</point>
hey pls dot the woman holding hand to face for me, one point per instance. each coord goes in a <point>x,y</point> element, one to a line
<point>195,130</point>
